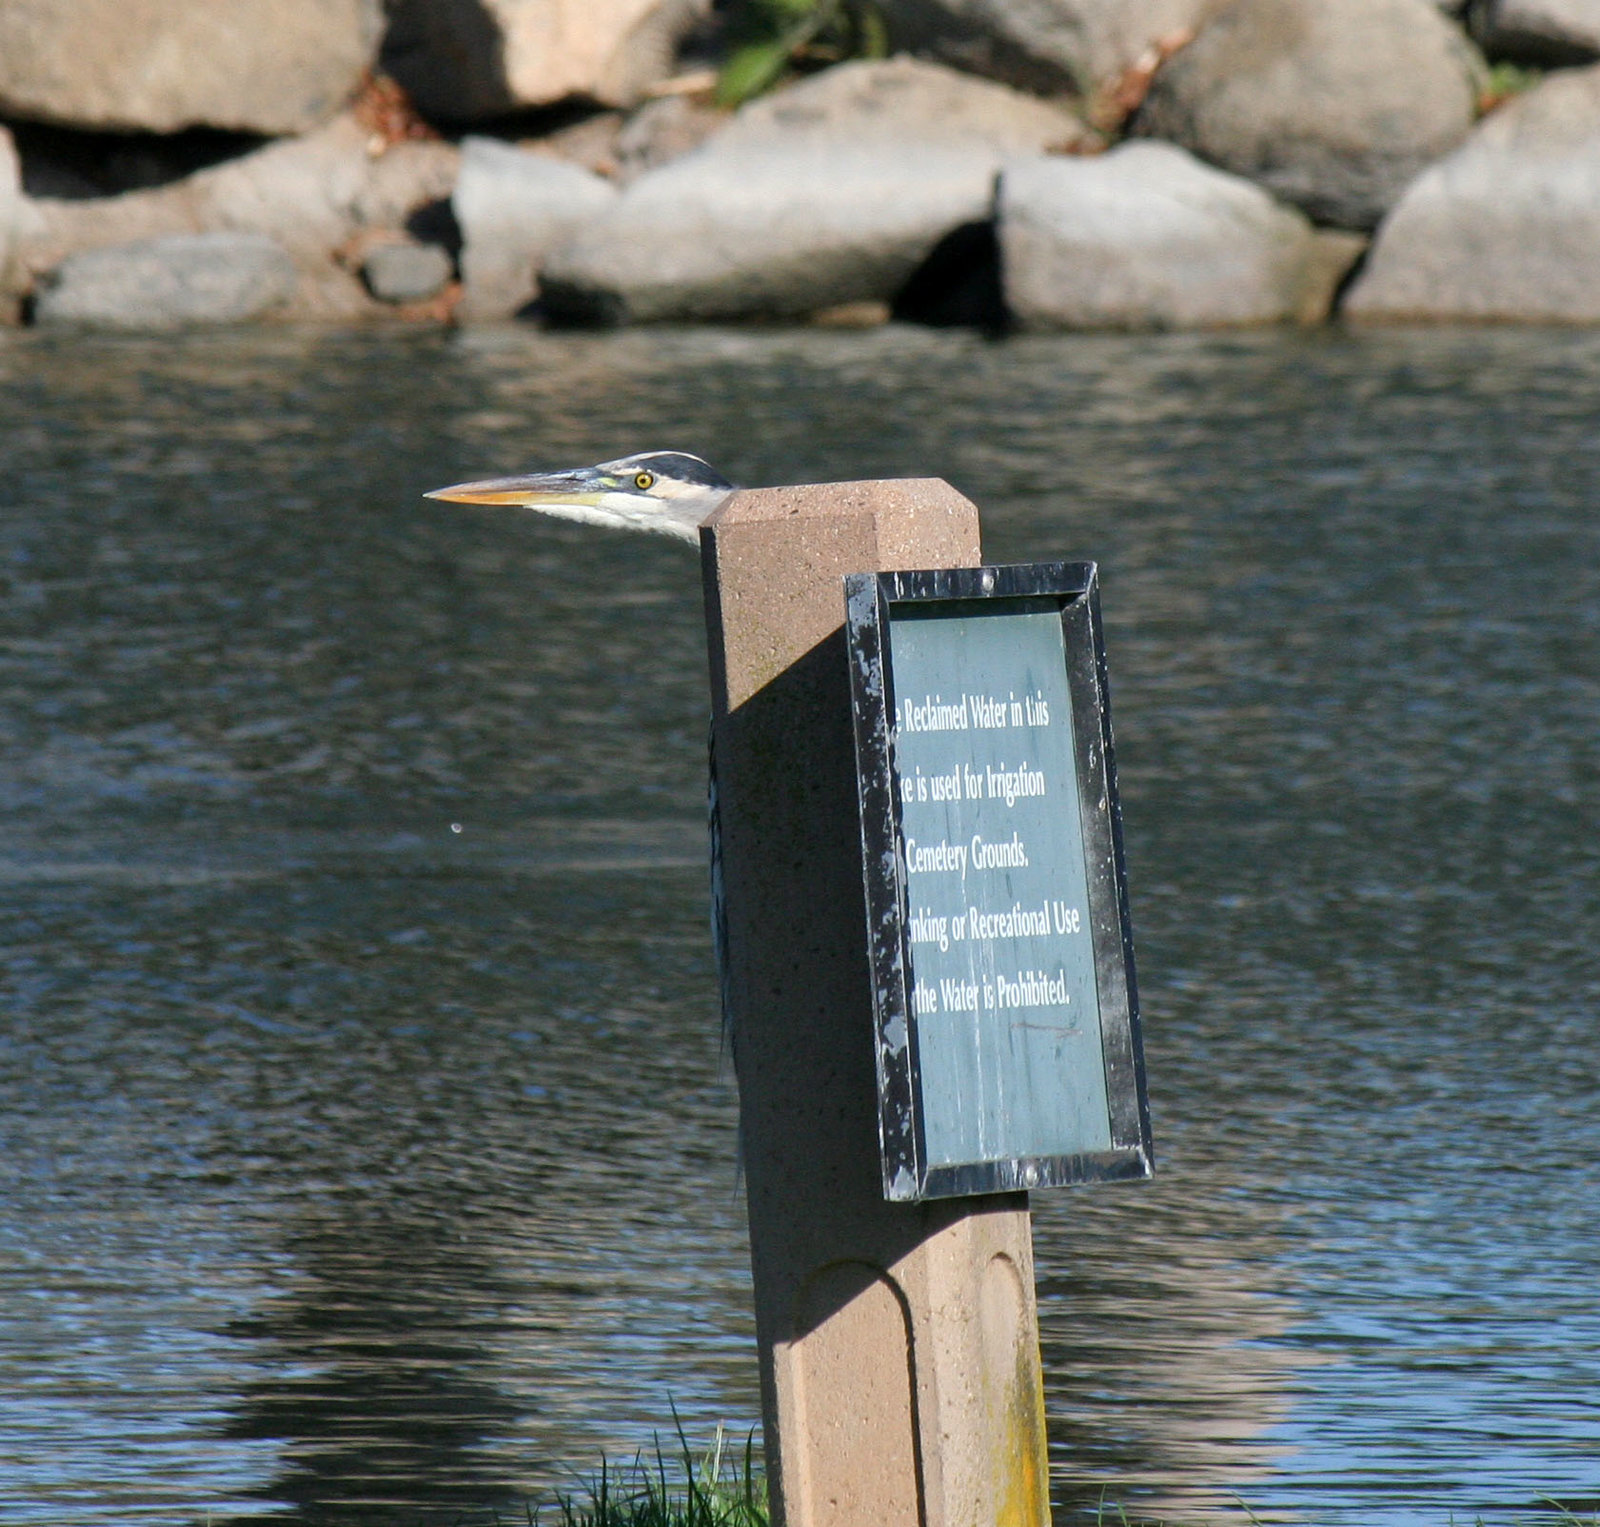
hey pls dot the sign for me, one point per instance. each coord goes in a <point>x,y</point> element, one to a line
<point>1008,1043</point>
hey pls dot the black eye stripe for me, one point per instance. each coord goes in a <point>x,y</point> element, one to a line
<point>673,466</point>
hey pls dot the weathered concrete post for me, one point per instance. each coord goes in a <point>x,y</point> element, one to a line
<point>899,1343</point>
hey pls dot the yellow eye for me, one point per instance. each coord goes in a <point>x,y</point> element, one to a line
<point>643,480</point>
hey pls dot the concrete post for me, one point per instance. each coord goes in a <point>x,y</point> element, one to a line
<point>899,1343</point>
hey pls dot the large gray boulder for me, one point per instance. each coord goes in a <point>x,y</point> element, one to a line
<point>1507,227</point>
<point>263,66</point>
<point>1147,237</point>
<point>468,60</point>
<point>1048,46</point>
<point>203,278</point>
<point>1333,105</point>
<point>830,192</point>
<point>313,195</point>
<point>1547,32</point>
<point>513,208</point>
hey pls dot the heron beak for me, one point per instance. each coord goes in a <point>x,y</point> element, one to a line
<point>525,492</point>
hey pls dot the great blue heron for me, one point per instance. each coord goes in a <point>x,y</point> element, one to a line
<point>670,492</point>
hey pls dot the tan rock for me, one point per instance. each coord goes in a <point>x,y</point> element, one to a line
<point>830,192</point>
<point>402,178</point>
<point>1332,105</point>
<point>467,60</point>
<point>13,207</point>
<point>1147,237</point>
<point>264,66</point>
<point>174,282</point>
<point>513,207</point>
<point>898,100</point>
<point>1061,45</point>
<point>1507,228</point>
<point>661,131</point>
<point>591,143</point>
<point>10,194</point>
<point>311,194</point>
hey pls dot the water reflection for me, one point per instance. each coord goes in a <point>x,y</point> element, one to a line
<point>380,1406</point>
<point>360,1166</point>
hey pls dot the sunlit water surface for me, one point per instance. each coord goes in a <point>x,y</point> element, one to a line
<point>368,1154</point>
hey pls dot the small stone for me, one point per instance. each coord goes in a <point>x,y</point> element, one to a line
<point>406,272</point>
<point>199,278</point>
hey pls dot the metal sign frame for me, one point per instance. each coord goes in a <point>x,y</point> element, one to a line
<point>872,600</point>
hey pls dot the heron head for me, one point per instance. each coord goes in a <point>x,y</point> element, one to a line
<point>669,492</point>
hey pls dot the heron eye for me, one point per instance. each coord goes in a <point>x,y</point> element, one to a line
<point>644,480</point>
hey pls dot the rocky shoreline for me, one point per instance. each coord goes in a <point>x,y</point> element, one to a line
<point>1080,164</point>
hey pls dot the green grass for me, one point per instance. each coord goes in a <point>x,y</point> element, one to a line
<point>722,1488</point>
<point>1506,81</point>
<point>771,39</point>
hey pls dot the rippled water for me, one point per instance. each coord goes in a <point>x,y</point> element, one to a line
<point>361,1168</point>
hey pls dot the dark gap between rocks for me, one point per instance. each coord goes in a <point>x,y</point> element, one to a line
<point>74,165</point>
<point>435,222</point>
<point>564,306</point>
<point>1348,280</point>
<point>958,285</point>
<point>530,122</point>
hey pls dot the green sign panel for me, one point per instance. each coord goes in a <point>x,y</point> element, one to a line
<point>1002,968</point>
<point>1008,1044</point>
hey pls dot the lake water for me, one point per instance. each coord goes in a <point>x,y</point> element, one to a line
<point>368,1154</point>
